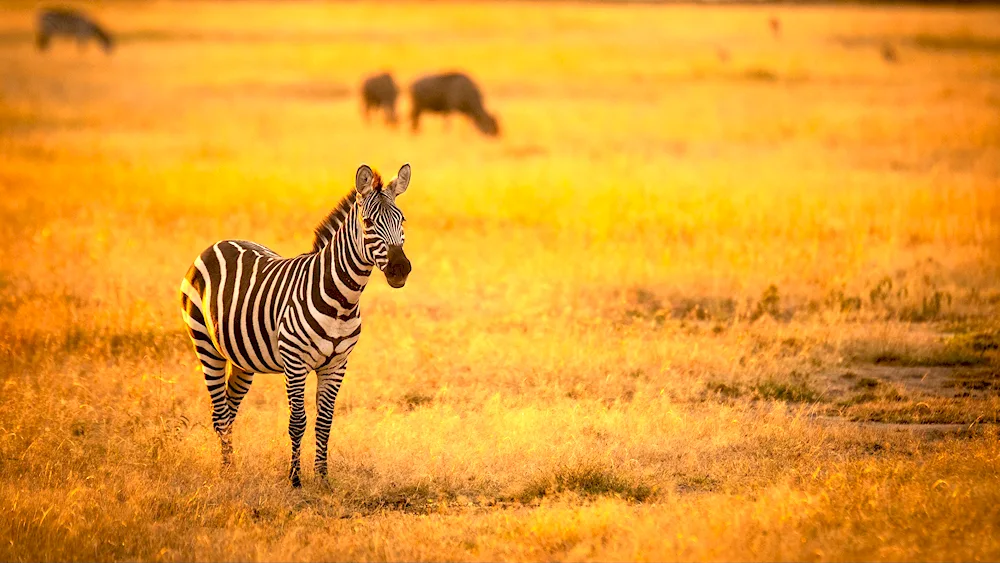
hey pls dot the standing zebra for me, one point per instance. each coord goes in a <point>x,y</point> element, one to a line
<point>251,311</point>
<point>71,23</point>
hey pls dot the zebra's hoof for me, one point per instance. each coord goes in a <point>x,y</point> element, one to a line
<point>296,482</point>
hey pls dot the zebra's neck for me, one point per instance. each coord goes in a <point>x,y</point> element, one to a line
<point>346,269</point>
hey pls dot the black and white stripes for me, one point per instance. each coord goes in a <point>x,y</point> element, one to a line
<point>250,311</point>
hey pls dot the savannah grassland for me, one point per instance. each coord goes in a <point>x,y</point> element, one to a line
<point>684,308</point>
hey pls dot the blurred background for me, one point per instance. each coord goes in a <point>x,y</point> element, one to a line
<point>652,245</point>
<point>707,142</point>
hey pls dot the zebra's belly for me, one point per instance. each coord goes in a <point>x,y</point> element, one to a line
<point>322,342</point>
<point>248,345</point>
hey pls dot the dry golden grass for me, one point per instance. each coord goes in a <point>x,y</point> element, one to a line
<point>639,324</point>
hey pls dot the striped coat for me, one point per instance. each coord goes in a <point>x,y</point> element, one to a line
<point>248,310</point>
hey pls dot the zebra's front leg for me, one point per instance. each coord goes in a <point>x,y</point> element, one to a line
<point>327,387</point>
<point>295,387</point>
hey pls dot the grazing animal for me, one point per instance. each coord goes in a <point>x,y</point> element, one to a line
<point>249,310</point>
<point>889,53</point>
<point>775,25</point>
<point>70,23</point>
<point>445,93</point>
<point>380,92</point>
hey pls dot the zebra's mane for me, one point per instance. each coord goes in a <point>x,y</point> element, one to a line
<point>332,223</point>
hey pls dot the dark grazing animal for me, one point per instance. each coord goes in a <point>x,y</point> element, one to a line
<point>249,310</point>
<point>70,23</point>
<point>775,25</point>
<point>889,53</point>
<point>445,93</point>
<point>380,92</point>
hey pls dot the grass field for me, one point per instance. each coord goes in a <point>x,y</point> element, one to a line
<point>712,295</point>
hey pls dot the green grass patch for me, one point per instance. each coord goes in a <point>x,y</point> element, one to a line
<point>797,391</point>
<point>587,481</point>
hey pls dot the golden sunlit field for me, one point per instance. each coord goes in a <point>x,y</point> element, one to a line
<point>712,295</point>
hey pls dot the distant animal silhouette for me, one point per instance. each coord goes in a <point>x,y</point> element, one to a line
<point>775,25</point>
<point>723,54</point>
<point>379,92</point>
<point>451,92</point>
<point>889,53</point>
<point>70,23</point>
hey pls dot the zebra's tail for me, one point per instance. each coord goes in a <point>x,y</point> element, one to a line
<point>103,36</point>
<point>192,312</point>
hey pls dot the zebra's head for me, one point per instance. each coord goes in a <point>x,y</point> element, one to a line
<point>382,222</point>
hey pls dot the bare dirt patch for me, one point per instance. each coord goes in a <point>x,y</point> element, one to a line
<point>916,394</point>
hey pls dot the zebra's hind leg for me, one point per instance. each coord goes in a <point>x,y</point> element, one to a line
<point>237,384</point>
<point>214,368</point>
<point>327,387</point>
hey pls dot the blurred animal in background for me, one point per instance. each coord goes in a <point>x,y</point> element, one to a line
<point>379,92</point>
<point>775,25</point>
<point>451,92</point>
<point>70,23</point>
<point>723,54</point>
<point>889,53</point>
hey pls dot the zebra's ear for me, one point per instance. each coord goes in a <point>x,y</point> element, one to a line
<point>401,182</point>
<point>364,180</point>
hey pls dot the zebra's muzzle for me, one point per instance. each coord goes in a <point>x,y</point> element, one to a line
<point>397,268</point>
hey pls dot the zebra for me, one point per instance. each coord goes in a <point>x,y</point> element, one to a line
<point>248,310</point>
<point>71,23</point>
